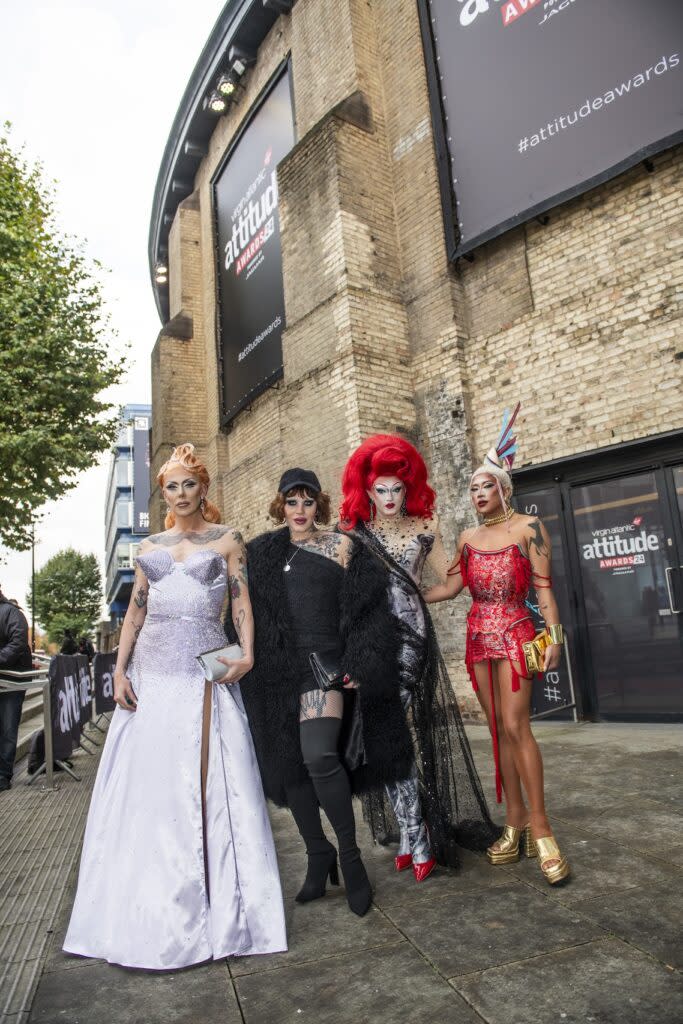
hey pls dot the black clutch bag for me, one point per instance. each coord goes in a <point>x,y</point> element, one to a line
<point>327,672</point>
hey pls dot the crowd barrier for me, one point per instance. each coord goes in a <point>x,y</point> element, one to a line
<point>70,691</point>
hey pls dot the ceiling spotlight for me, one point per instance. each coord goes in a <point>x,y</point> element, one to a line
<point>240,59</point>
<point>216,103</point>
<point>226,85</point>
<point>161,273</point>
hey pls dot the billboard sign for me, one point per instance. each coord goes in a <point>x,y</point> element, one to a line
<point>251,304</point>
<point>535,101</point>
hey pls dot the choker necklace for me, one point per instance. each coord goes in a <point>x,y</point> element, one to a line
<point>502,517</point>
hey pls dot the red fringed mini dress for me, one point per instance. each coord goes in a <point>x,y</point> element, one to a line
<point>499,621</point>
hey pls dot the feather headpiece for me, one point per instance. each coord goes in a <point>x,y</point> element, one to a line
<point>503,452</point>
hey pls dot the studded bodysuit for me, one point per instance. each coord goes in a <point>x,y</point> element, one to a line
<point>498,622</point>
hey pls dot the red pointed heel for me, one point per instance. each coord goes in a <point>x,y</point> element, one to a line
<point>424,870</point>
<point>403,861</point>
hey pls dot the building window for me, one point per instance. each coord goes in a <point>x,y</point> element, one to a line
<point>125,554</point>
<point>124,472</point>
<point>124,513</point>
<point>125,436</point>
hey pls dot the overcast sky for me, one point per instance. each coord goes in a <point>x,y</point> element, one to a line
<point>92,90</point>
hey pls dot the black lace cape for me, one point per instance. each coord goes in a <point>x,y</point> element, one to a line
<point>370,639</point>
<point>453,802</point>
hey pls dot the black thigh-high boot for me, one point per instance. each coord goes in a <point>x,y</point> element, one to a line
<point>319,738</point>
<point>322,856</point>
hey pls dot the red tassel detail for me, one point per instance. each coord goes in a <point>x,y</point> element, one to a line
<point>469,665</point>
<point>494,738</point>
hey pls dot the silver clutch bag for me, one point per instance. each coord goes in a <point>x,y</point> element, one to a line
<point>213,668</point>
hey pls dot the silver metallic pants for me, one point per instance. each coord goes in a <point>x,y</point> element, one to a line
<point>405,800</point>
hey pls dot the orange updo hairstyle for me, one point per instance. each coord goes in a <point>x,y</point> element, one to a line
<point>184,456</point>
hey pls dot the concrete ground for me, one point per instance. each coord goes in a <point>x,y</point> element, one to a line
<point>494,945</point>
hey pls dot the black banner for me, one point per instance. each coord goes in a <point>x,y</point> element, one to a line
<point>553,691</point>
<point>103,672</point>
<point>535,101</point>
<point>250,289</point>
<point>70,701</point>
<point>141,474</point>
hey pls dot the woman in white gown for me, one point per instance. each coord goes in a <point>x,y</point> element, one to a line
<point>178,862</point>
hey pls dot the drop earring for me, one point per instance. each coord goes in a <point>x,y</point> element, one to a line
<point>202,503</point>
<point>372,510</point>
<point>404,507</point>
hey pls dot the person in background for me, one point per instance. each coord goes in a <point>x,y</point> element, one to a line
<point>68,643</point>
<point>85,646</point>
<point>15,654</point>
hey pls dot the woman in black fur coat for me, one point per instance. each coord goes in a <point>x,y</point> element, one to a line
<point>314,590</point>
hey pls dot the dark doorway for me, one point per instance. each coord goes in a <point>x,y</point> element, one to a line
<point>616,519</point>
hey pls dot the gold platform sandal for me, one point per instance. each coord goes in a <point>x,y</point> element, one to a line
<point>508,845</point>
<point>547,849</point>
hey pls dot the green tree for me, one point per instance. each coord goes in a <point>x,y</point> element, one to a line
<point>55,352</point>
<point>68,594</point>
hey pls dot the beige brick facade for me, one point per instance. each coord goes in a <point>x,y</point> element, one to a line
<point>579,318</point>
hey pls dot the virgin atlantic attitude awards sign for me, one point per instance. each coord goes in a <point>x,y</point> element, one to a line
<point>251,293</point>
<point>535,101</point>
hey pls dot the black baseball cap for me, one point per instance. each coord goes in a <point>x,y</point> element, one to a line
<point>297,477</point>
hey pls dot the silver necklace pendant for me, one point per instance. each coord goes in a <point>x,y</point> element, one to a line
<point>287,567</point>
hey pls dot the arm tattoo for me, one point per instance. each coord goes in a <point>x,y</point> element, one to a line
<point>239,623</point>
<point>536,540</point>
<point>195,537</point>
<point>234,587</point>
<point>140,598</point>
<point>136,631</point>
<point>243,572</point>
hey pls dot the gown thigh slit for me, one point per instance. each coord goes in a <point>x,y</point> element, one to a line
<point>204,768</point>
<point>178,799</point>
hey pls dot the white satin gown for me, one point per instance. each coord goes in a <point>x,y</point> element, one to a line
<point>143,898</point>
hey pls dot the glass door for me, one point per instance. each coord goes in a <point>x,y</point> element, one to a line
<point>628,554</point>
<point>552,693</point>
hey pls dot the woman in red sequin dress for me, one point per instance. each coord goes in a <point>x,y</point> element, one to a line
<point>499,560</point>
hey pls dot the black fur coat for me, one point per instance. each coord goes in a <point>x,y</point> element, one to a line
<point>370,642</point>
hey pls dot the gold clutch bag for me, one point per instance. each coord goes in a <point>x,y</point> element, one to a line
<point>534,652</point>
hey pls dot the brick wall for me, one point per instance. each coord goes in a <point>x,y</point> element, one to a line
<point>580,318</point>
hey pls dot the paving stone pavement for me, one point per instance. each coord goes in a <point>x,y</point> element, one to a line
<point>493,945</point>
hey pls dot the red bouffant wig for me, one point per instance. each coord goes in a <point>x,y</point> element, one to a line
<point>384,455</point>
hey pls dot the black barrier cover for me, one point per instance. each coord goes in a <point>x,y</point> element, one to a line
<point>70,701</point>
<point>552,691</point>
<point>141,474</point>
<point>84,693</point>
<point>534,101</point>
<point>103,672</point>
<point>250,289</point>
